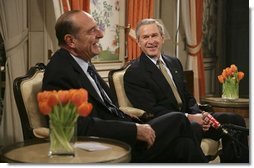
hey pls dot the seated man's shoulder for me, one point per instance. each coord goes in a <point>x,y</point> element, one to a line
<point>171,58</point>
<point>134,65</point>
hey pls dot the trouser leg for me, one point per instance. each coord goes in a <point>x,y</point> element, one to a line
<point>174,138</point>
<point>185,151</point>
<point>198,131</point>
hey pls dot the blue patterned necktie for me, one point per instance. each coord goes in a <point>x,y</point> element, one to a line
<point>112,108</point>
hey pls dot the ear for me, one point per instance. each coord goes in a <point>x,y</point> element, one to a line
<point>69,40</point>
<point>137,41</point>
<point>163,39</point>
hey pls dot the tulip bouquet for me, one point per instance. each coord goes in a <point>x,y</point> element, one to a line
<point>230,78</point>
<point>63,108</point>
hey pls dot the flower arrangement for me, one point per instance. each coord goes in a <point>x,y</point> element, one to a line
<point>230,78</point>
<point>63,108</point>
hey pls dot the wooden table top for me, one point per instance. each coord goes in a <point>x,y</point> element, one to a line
<point>220,102</point>
<point>36,151</point>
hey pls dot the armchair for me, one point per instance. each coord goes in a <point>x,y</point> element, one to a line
<point>115,77</point>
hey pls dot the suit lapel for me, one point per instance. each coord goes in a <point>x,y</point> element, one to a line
<point>155,73</point>
<point>173,70</point>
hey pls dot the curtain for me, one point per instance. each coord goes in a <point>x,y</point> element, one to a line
<point>13,27</point>
<point>76,5</point>
<point>192,12</point>
<point>137,10</point>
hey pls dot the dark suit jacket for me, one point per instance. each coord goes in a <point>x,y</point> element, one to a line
<point>63,73</point>
<point>147,88</point>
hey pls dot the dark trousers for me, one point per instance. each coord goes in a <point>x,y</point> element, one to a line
<point>232,151</point>
<point>175,142</point>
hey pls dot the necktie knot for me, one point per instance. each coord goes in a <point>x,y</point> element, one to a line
<point>91,70</point>
<point>159,63</point>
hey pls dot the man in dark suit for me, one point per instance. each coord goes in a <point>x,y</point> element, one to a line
<point>155,83</point>
<point>167,138</point>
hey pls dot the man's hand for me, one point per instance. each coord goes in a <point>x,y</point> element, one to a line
<point>199,118</point>
<point>207,124</point>
<point>146,133</point>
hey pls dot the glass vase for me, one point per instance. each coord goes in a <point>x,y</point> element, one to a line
<point>230,89</point>
<point>62,138</point>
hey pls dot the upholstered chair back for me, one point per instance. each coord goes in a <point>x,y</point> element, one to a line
<point>118,83</point>
<point>25,92</point>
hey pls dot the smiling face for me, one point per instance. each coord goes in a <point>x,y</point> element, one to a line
<point>84,43</point>
<point>150,40</point>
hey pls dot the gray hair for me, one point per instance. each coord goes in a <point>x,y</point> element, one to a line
<point>148,22</point>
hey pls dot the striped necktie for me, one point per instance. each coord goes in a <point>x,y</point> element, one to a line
<point>112,108</point>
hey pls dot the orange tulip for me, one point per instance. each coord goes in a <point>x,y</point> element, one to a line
<point>77,98</point>
<point>233,68</point>
<point>84,94</point>
<point>71,92</point>
<point>44,108</point>
<point>43,96</point>
<point>224,73</point>
<point>240,76</point>
<point>40,97</point>
<point>85,109</point>
<point>64,96</point>
<point>53,99</point>
<point>221,79</point>
<point>228,71</point>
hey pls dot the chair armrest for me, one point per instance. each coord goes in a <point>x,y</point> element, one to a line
<point>41,132</point>
<point>210,146</point>
<point>133,111</point>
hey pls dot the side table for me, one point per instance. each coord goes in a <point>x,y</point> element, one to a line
<point>36,151</point>
<point>239,106</point>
